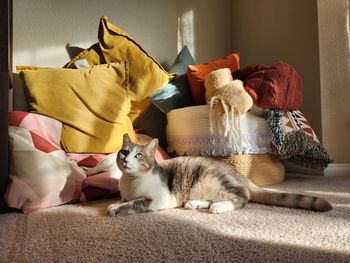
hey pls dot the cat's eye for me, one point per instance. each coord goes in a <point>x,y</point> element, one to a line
<point>124,152</point>
<point>139,156</point>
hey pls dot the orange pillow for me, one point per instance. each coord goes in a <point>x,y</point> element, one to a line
<point>197,73</point>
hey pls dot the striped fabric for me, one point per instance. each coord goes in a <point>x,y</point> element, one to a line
<point>42,175</point>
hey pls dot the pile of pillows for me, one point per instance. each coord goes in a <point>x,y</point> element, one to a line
<point>188,89</point>
<point>97,104</point>
<point>95,98</point>
<point>100,93</point>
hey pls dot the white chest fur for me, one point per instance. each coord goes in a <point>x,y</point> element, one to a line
<point>147,186</point>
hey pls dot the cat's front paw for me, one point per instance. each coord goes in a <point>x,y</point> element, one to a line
<point>122,209</point>
<point>115,210</point>
<point>197,204</point>
<point>221,207</point>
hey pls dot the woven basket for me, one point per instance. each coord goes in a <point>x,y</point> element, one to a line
<point>262,169</point>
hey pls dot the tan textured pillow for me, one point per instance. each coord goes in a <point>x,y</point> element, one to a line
<point>197,73</point>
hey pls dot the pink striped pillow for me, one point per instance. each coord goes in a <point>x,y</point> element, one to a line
<point>41,174</point>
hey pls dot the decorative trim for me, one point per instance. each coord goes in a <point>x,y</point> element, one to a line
<point>337,169</point>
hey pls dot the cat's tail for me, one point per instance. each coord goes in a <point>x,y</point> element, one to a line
<point>263,196</point>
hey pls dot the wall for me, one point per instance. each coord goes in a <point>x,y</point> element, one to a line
<point>211,34</point>
<point>45,31</point>
<point>273,30</point>
<point>334,41</point>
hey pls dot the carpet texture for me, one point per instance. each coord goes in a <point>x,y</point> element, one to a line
<point>85,233</point>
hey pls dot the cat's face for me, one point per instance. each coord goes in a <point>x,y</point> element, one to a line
<point>135,159</point>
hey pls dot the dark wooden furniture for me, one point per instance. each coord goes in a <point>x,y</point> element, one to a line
<point>5,86</point>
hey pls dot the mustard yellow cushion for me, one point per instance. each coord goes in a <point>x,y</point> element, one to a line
<point>92,103</point>
<point>146,75</point>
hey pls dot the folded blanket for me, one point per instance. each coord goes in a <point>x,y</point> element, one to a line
<point>293,139</point>
<point>188,133</point>
<point>278,86</point>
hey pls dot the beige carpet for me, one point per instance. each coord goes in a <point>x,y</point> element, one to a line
<point>257,233</point>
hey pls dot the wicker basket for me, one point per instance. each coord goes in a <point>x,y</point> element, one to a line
<point>262,169</point>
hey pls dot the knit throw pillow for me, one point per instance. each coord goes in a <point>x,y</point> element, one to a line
<point>294,140</point>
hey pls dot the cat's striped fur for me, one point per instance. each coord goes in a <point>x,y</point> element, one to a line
<point>192,182</point>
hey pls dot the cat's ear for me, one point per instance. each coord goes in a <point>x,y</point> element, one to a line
<point>152,146</point>
<point>126,139</point>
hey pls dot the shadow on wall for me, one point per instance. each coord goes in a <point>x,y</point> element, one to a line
<point>205,28</point>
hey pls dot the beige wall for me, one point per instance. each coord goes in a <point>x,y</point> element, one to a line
<point>43,28</point>
<point>334,27</point>
<point>211,24</point>
<point>273,30</point>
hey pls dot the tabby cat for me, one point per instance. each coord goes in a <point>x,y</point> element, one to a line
<point>192,182</point>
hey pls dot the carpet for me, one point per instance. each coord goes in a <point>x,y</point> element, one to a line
<point>83,232</point>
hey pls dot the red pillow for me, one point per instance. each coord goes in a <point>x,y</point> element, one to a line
<point>197,73</point>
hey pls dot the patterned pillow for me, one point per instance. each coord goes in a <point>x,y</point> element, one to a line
<point>294,140</point>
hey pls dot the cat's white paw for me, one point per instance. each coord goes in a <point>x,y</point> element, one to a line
<point>113,209</point>
<point>197,204</point>
<point>221,207</point>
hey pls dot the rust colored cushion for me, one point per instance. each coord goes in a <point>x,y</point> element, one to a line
<point>272,87</point>
<point>197,73</point>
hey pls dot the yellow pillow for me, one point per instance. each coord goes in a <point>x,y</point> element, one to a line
<point>146,75</point>
<point>92,103</point>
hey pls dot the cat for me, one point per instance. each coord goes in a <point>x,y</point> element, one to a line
<point>191,182</point>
